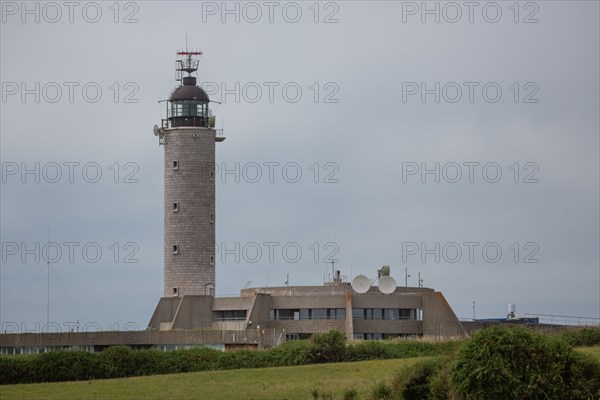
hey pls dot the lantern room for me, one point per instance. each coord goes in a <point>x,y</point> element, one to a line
<point>188,104</point>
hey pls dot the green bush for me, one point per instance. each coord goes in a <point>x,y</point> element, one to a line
<point>440,387</point>
<point>290,353</point>
<point>416,348</point>
<point>66,366</point>
<point>327,347</point>
<point>516,363</point>
<point>17,369</point>
<point>119,361</point>
<point>582,336</point>
<point>413,383</point>
<point>381,391</point>
<point>350,394</point>
<point>367,350</point>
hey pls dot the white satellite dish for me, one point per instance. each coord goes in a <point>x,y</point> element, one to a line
<point>387,285</point>
<point>361,284</point>
<point>156,130</point>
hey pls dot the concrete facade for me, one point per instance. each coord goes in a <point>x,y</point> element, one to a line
<point>284,313</point>
<point>189,211</point>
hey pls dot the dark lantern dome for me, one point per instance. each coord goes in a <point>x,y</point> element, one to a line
<point>189,91</point>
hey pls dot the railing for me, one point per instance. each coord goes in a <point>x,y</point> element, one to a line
<point>343,318</point>
<point>550,319</point>
<point>229,319</point>
<point>567,320</point>
<point>293,292</point>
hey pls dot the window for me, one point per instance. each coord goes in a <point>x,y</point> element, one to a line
<point>392,314</point>
<point>377,313</point>
<point>212,176</point>
<point>175,164</point>
<point>336,313</point>
<point>229,315</point>
<point>212,260</point>
<point>212,217</point>
<point>174,291</point>
<point>175,249</point>
<point>319,313</point>
<point>175,207</point>
<point>304,314</point>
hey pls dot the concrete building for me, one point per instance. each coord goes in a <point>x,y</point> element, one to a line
<point>189,314</point>
<point>294,312</point>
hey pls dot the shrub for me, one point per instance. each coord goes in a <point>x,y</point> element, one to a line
<point>440,387</point>
<point>66,366</point>
<point>515,363</point>
<point>317,394</point>
<point>381,391</point>
<point>119,361</point>
<point>350,394</point>
<point>17,369</point>
<point>582,337</point>
<point>367,350</point>
<point>413,383</point>
<point>327,347</point>
<point>290,353</point>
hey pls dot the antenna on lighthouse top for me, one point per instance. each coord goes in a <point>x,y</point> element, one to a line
<point>187,62</point>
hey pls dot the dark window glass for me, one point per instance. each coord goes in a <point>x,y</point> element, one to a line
<point>358,313</point>
<point>377,313</point>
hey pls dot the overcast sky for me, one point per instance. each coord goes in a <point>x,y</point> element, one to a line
<point>359,98</point>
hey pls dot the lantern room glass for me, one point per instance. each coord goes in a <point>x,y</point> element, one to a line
<point>189,108</point>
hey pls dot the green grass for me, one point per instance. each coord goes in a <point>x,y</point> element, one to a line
<point>254,383</point>
<point>594,351</point>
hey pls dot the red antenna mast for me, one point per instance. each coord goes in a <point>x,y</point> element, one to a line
<point>187,62</point>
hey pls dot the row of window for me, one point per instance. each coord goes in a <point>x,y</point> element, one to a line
<point>381,336</point>
<point>188,108</point>
<point>229,315</point>
<point>307,313</point>
<point>44,349</point>
<point>390,314</point>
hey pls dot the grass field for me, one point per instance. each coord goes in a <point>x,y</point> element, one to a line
<point>593,351</point>
<point>256,383</point>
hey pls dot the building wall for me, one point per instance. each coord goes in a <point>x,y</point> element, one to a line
<point>192,228</point>
<point>438,317</point>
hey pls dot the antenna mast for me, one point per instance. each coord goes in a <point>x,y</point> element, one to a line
<point>48,282</point>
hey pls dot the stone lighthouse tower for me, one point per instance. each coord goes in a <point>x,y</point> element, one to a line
<point>188,137</point>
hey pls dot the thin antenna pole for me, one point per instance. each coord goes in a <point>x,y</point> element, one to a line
<point>332,270</point>
<point>48,282</point>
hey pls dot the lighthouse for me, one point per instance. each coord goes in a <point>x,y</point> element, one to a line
<point>188,136</point>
